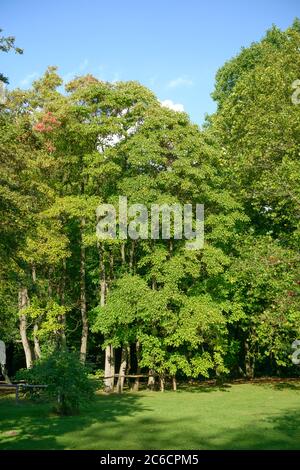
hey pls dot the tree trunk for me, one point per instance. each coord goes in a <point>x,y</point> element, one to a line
<point>102,283</point>
<point>174,383</point>
<point>123,253</point>
<point>248,365</point>
<point>131,256</point>
<point>112,367</point>
<point>85,327</point>
<point>37,349</point>
<point>33,274</point>
<point>162,383</point>
<point>128,365</point>
<point>170,247</point>
<point>138,369</point>
<point>109,371</point>
<point>23,303</point>
<point>111,267</point>
<point>63,339</point>
<point>4,373</point>
<point>151,380</point>
<point>122,370</point>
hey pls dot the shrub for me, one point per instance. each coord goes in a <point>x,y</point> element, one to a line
<point>97,376</point>
<point>66,379</point>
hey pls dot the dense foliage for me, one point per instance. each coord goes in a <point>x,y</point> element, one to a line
<point>68,384</point>
<point>230,308</point>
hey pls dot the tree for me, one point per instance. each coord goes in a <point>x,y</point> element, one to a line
<point>257,125</point>
<point>230,307</point>
<point>7,44</point>
<point>162,302</point>
<point>264,281</point>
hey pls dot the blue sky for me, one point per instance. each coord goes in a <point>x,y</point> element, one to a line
<point>172,46</point>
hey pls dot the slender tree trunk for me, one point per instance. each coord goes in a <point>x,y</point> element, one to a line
<point>128,358</point>
<point>23,303</point>
<point>85,327</point>
<point>3,369</point>
<point>63,339</point>
<point>128,364</point>
<point>102,276</point>
<point>111,267</point>
<point>109,371</point>
<point>103,293</point>
<point>33,274</point>
<point>170,247</point>
<point>151,380</point>
<point>109,368</point>
<point>37,349</point>
<point>248,364</point>
<point>112,368</point>
<point>162,383</point>
<point>138,369</point>
<point>122,370</point>
<point>4,373</point>
<point>131,256</point>
<point>174,383</point>
<point>123,257</point>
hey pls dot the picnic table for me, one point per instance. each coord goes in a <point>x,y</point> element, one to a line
<point>19,386</point>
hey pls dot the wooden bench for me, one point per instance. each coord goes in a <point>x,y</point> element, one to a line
<point>18,386</point>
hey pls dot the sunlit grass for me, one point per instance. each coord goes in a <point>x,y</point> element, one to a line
<point>246,416</point>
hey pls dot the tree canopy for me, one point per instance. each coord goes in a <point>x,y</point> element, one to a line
<point>229,308</point>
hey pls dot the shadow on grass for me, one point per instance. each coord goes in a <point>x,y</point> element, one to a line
<point>287,386</point>
<point>203,388</point>
<point>279,385</point>
<point>116,422</point>
<point>280,433</point>
<point>30,425</point>
<point>289,423</point>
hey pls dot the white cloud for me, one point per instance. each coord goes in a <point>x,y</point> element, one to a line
<point>179,81</point>
<point>111,140</point>
<point>28,79</point>
<point>174,106</point>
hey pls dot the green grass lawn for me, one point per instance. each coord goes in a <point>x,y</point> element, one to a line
<point>245,416</point>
